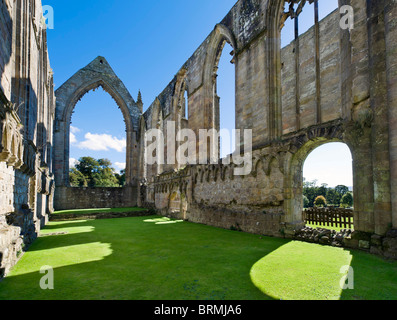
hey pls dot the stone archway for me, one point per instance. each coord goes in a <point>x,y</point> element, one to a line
<point>294,178</point>
<point>96,74</point>
<point>219,37</point>
<point>301,146</point>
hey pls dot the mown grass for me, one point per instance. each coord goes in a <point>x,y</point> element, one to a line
<point>323,226</point>
<point>155,258</point>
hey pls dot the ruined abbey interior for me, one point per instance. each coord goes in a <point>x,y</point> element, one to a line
<point>329,84</point>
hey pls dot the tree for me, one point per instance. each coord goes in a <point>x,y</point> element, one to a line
<point>77,179</point>
<point>310,190</point>
<point>322,191</point>
<point>105,175</point>
<point>342,190</point>
<point>347,200</point>
<point>332,197</point>
<point>121,177</point>
<point>305,202</point>
<point>320,201</point>
<point>93,173</point>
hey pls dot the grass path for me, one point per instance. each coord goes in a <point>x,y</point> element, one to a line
<point>152,258</point>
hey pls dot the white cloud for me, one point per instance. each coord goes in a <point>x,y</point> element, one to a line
<point>74,129</point>
<point>73,139</point>
<point>72,162</point>
<point>102,142</point>
<point>120,165</point>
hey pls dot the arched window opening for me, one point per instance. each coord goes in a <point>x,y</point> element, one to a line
<point>302,16</point>
<point>185,114</point>
<point>305,61</point>
<point>97,142</point>
<point>328,199</point>
<point>225,96</point>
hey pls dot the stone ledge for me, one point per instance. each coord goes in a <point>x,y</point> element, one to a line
<point>98,216</point>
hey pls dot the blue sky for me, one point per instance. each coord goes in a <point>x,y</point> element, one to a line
<point>146,43</point>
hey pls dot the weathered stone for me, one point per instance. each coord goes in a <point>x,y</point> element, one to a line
<point>324,240</point>
<point>329,85</point>
<point>333,100</point>
<point>27,106</point>
<point>362,244</point>
<point>376,240</point>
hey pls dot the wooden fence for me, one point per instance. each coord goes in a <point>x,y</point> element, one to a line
<point>329,217</point>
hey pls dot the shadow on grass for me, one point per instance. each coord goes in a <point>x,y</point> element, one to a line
<point>373,278</point>
<point>128,259</point>
<point>306,271</point>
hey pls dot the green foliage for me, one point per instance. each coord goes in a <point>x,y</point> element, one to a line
<point>342,190</point>
<point>90,172</point>
<point>305,202</point>
<point>77,179</point>
<point>347,200</point>
<point>320,201</point>
<point>333,195</point>
<point>121,177</point>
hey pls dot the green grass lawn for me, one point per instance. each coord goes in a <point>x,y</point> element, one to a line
<point>93,211</point>
<point>317,225</point>
<point>153,258</point>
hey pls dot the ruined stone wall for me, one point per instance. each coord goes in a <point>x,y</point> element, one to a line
<point>6,23</point>
<point>68,198</point>
<point>96,74</point>
<point>302,94</point>
<point>27,105</point>
<point>391,74</point>
<point>336,86</point>
<point>7,178</point>
<point>247,36</point>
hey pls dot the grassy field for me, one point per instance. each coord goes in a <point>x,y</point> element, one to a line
<point>153,258</point>
<point>316,225</point>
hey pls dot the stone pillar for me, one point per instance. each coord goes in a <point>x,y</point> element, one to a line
<point>59,153</point>
<point>390,13</point>
<point>379,106</point>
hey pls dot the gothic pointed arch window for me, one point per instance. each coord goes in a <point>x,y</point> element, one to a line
<point>185,105</point>
<point>306,45</point>
<point>225,90</point>
<point>97,137</point>
<point>299,16</point>
<point>220,82</point>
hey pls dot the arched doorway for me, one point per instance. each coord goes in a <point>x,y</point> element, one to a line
<point>304,145</point>
<point>328,198</point>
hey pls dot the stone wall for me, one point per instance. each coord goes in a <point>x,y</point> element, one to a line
<point>330,85</point>
<point>27,106</point>
<point>68,198</point>
<point>7,182</point>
